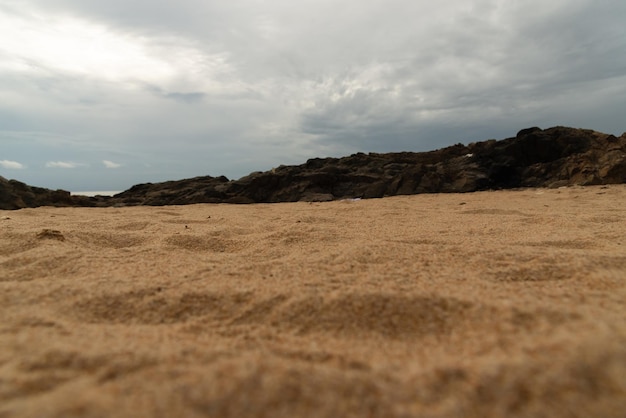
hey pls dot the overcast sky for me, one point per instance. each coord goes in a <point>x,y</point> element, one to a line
<point>101,95</point>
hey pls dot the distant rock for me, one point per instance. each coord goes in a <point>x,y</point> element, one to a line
<point>554,157</point>
<point>17,195</point>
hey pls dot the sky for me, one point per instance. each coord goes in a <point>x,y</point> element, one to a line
<point>102,95</point>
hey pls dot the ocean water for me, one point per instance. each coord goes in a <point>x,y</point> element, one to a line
<point>96,193</point>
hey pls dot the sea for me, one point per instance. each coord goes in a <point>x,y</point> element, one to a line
<point>96,193</point>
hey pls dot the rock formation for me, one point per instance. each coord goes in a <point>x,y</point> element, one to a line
<point>553,157</point>
<point>17,195</point>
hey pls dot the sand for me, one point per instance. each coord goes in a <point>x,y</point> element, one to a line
<point>490,304</point>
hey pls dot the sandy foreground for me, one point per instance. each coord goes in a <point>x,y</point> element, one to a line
<point>490,304</point>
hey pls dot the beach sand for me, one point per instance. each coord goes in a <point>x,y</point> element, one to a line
<point>489,304</point>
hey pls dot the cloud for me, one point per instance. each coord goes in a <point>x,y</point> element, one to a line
<point>11,165</point>
<point>194,87</point>
<point>110,164</point>
<point>51,42</point>
<point>63,164</point>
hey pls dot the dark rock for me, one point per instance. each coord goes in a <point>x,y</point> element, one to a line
<point>16,195</point>
<point>552,157</point>
<point>527,131</point>
<point>534,158</point>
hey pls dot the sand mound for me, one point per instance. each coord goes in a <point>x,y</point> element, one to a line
<point>487,304</point>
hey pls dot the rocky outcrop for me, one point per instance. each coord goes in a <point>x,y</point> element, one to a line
<point>553,157</point>
<point>17,195</point>
<point>534,158</point>
<point>205,189</point>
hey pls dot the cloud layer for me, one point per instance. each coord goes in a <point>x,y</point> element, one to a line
<point>179,89</point>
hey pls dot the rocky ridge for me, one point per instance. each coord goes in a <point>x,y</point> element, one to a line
<point>553,157</point>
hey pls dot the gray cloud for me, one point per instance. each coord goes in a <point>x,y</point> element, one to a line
<point>170,90</point>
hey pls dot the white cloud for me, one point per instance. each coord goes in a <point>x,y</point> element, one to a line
<point>63,43</point>
<point>11,165</point>
<point>76,46</point>
<point>63,164</point>
<point>111,164</point>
